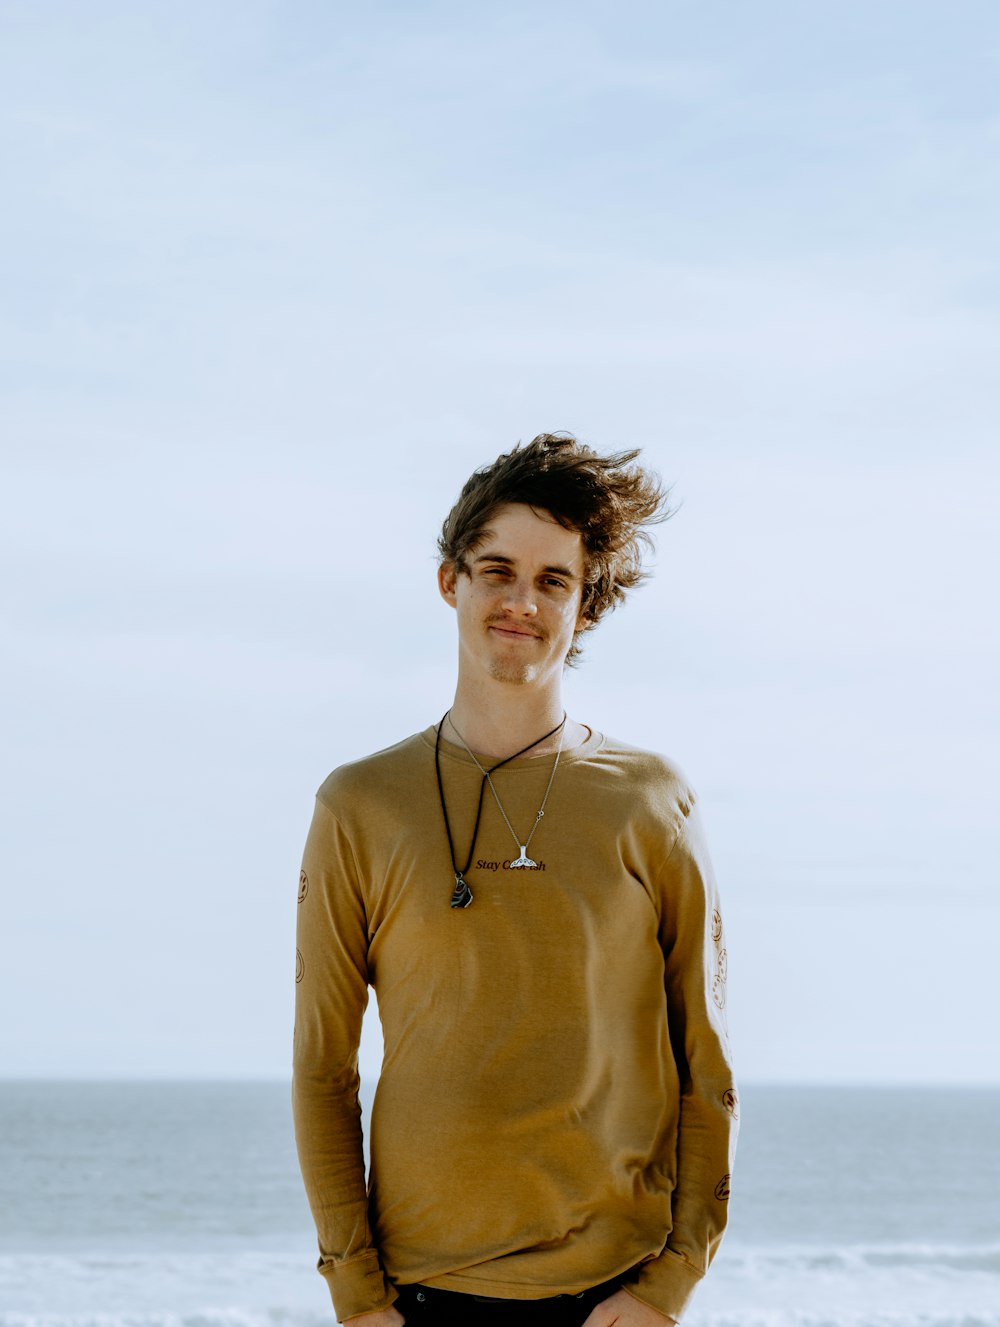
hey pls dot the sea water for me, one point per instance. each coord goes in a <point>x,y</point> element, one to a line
<point>180,1205</point>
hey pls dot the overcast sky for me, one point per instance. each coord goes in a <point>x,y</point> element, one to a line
<point>277,277</point>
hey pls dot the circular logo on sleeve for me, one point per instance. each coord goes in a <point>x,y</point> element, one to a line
<point>300,966</point>
<point>722,1189</point>
<point>303,885</point>
<point>719,980</point>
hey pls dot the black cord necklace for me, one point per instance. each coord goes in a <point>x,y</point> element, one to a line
<point>462,896</point>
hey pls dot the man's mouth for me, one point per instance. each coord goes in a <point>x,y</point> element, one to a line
<point>505,629</point>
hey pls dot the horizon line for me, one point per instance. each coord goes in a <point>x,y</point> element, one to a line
<point>233,1080</point>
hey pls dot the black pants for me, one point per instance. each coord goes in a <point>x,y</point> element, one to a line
<point>423,1306</point>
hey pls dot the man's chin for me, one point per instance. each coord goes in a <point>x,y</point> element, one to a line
<point>515,674</point>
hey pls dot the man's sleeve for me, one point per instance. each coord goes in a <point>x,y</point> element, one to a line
<point>331,992</point>
<point>694,950</point>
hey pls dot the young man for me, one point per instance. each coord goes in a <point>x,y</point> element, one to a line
<point>534,905</point>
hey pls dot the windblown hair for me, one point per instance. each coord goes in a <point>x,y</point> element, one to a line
<point>608,499</point>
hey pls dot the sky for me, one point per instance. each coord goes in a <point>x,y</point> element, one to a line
<point>277,277</point>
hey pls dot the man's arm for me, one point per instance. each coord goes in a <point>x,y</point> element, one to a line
<point>330,997</point>
<point>694,950</point>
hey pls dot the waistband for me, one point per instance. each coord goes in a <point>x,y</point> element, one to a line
<point>432,1295</point>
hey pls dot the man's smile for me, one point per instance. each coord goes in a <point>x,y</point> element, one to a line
<point>512,631</point>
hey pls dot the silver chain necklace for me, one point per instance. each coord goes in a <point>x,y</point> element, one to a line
<point>523,859</point>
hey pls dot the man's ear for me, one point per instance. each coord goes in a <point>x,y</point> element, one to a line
<point>447,582</point>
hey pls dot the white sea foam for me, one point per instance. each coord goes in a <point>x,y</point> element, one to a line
<point>167,1290</point>
<point>891,1285</point>
<point>224,1317</point>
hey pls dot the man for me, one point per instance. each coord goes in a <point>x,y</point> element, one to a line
<point>534,905</point>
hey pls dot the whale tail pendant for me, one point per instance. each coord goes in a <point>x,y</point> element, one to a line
<point>523,860</point>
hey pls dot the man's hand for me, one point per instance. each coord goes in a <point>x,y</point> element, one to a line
<point>624,1310</point>
<point>390,1317</point>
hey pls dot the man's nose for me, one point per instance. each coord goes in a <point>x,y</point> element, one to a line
<point>520,598</point>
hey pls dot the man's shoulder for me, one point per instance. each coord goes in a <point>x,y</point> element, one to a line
<point>645,768</point>
<point>376,774</point>
<point>650,793</point>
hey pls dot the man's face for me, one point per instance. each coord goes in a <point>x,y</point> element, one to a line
<point>519,606</point>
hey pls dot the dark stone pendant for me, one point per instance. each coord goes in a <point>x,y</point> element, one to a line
<point>462,896</point>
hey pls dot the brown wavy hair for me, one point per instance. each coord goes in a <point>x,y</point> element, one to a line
<point>608,499</point>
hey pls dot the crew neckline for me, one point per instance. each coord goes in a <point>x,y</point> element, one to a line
<point>452,751</point>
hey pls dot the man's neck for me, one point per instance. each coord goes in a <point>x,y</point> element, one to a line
<point>498,724</point>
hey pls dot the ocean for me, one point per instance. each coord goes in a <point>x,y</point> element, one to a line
<point>180,1205</point>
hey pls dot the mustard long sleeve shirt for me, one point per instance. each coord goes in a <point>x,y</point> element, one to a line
<point>556,1102</point>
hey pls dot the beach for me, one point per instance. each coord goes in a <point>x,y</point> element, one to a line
<point>179,1205</point>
